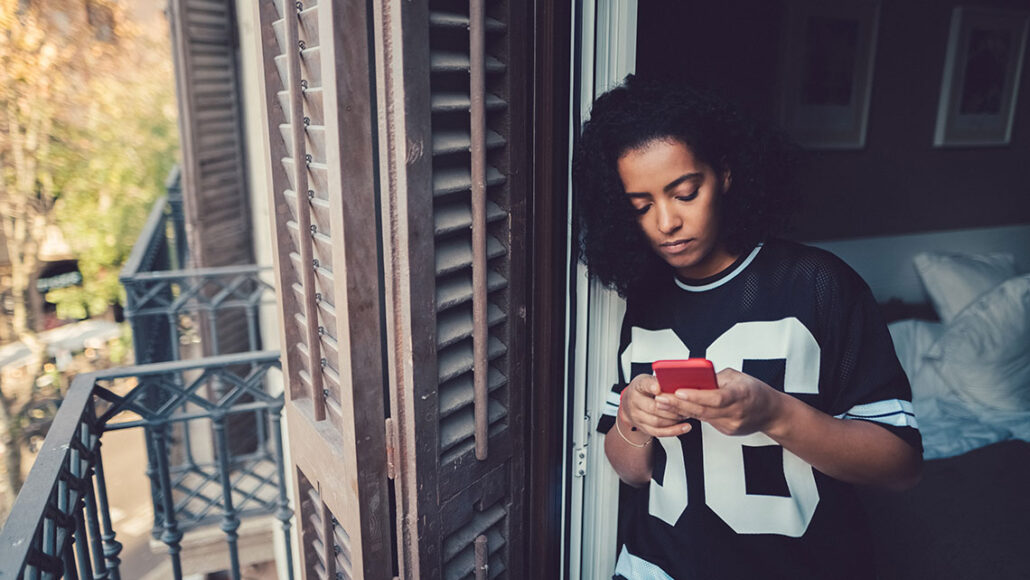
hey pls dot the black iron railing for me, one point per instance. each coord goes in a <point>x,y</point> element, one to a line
<point>61,526</point>
<point>172,307</point>
<point>174,310</point>
<point>211,428</point>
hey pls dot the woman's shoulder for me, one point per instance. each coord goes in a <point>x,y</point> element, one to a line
<point>805,256</point>
<point>821,267</point>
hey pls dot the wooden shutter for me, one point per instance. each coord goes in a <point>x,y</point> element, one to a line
<point>462,515</point>
<point>320,122</point>
<point>211,132</point>
<point>214,184</point>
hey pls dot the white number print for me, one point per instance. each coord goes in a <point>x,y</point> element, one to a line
<point>668,499</point>
<point>725,491</point>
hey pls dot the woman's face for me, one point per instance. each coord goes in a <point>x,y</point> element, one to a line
<point>677,199</point>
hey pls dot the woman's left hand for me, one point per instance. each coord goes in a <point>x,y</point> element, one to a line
<point>740,406</point>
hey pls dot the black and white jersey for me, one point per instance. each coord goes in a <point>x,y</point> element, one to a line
<point>720,506</point>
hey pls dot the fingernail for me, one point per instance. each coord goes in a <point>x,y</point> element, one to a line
<point>686,427</point>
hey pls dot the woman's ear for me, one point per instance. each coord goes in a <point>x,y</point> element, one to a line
<point>727,179</point>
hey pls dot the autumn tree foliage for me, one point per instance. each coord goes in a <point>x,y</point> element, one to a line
<point>87,134</point>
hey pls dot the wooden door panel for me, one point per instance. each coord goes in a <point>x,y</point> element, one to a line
<point>460,480</point>
<point>326,259</point>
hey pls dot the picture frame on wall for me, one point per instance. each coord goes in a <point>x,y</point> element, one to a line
<point>828,61</point>
<point>980,85</point>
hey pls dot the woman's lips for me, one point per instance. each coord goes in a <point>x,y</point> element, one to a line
<point>675,247</point>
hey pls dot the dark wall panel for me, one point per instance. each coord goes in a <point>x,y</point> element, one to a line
<point>899,183</point>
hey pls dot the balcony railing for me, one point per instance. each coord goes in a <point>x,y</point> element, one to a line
<point>211,428</point>
<point>177,312</point>
<point>61,525</point>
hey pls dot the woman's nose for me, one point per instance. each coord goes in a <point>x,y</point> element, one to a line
<point>668,221</point>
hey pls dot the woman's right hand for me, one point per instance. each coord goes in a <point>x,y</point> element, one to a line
<point>638,409</point>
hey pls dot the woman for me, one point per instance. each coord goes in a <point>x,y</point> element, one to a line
<point>677,198</point>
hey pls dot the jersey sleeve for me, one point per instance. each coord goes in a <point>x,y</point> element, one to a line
<point>611,403</point>
<point>860,367</point>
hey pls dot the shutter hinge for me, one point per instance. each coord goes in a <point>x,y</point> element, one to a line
<point>579,461</point>
<point>391,448</point>
<point>579,454</point>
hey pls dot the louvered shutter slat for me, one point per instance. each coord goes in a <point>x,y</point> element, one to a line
<point>207,6</point>
<point>312,104</point>
<point>457,359</point>
<point>456,217</point>
<point>323,276</point>
<point>326,312</point>
<point>463,564</point>
<point>456,103</point>
<point>439,19</point>
<point>319,212</point>
<point>309,24</point>
<point>318,175</point>
<point>454,62</point>
<point>323,250</point>
<point>280,65</point>
<point>314,139</point>
<point>457,324</point>
<point>460,427</point>
<point>457,394</point>
<point>481,524</point>
<point>457,289</point>
<point>214,61</point>
<point>453,255</point>
<point>457,179</point>
<point>311,66</point>
<point>455,142</point>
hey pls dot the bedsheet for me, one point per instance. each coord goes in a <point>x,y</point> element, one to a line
<point>947,425</point>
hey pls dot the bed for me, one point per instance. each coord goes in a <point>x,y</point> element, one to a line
<point>959,311</point>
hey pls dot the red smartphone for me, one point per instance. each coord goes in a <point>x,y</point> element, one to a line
<point>691,373</point>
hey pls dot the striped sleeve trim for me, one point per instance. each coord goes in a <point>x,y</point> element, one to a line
<point>894,412</point>
<point>610,410</point>
<point>611,404</point>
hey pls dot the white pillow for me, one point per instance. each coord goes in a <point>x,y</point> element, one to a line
<point>954,281</point>
<point>912,339</point>
<point>983,357</point>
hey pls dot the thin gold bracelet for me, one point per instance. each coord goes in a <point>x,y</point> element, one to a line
<point>626,439</point>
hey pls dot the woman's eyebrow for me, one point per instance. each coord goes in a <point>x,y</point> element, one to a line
<point>685,177</point>
<point>694,175</point>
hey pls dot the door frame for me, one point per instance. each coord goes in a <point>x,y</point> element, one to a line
<point>606,46</point>
<point>548,291</point>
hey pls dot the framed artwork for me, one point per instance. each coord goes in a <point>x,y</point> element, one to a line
<point>829,50</point>
<point>980,85</point>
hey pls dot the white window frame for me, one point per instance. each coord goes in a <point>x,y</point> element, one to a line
<point>608,54</point>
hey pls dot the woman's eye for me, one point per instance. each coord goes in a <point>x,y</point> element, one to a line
<point>689,196</point>
<point>641,210</point>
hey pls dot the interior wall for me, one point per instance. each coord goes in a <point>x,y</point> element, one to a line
<point>899,183</point>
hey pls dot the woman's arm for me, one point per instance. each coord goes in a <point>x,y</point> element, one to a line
<point>850,450</point>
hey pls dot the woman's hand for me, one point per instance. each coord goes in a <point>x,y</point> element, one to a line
<point>627,450</point>
<point>740,406</point>
<point>846,449</point>
<point>638,409</point>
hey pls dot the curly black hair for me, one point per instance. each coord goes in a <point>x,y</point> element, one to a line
<point>639,112</point>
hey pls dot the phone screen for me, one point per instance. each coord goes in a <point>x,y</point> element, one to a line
<point>692,373</point>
